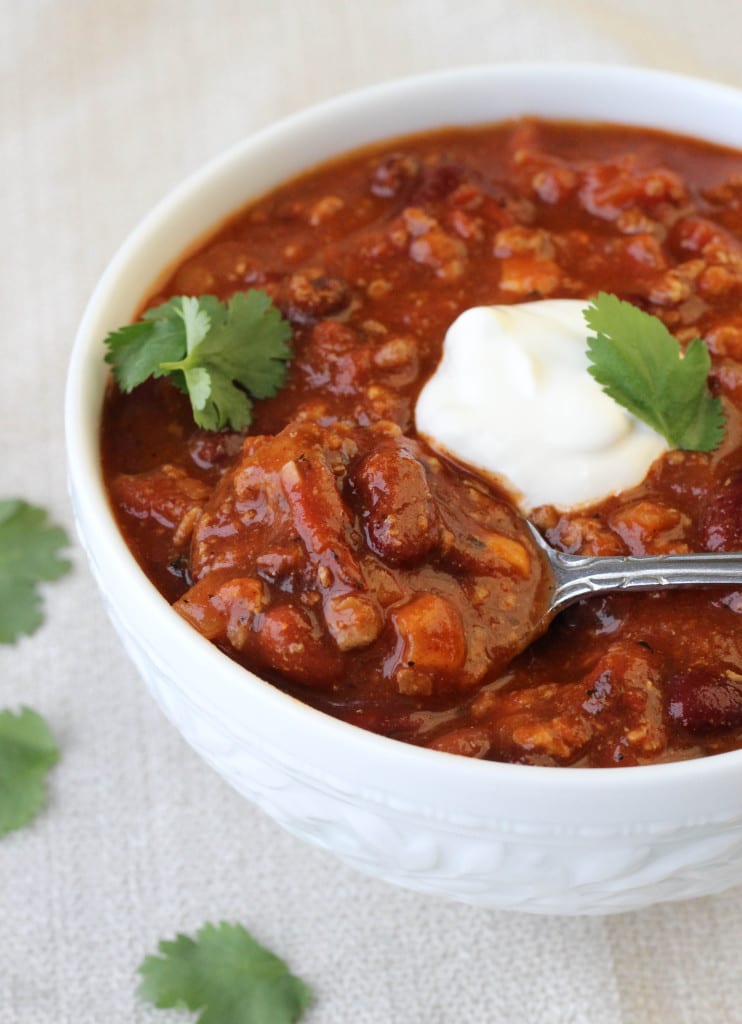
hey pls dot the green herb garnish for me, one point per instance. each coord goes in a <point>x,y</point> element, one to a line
<point>225,974</point>
<point>221,354</point>
<point>27,752</point>
<point>642,367</point>
<point>29,554</point>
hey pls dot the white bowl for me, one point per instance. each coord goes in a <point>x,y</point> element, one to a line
<point>548,840</point>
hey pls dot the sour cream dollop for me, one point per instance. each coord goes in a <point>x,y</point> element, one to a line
<point>512,397</point>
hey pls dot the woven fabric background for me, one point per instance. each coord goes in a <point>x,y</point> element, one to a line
<point>103,107</point>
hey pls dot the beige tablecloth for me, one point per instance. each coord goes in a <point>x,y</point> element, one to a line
<point>103,107</point>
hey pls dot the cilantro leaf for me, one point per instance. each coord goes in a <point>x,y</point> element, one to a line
<point>642,367</point>
<point>221,355</point>
<point>27,752</point>
<point>222,402</point>
<point>136,351</point>
<point>29,554</point>
<point>254,315</point>
<point>225,974</point>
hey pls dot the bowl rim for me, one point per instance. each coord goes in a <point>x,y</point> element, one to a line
<point>84,394</point>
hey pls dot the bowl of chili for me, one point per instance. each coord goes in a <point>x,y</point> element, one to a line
<point>309,598</point>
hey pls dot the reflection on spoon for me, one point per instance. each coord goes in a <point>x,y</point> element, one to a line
<point>577,576</point>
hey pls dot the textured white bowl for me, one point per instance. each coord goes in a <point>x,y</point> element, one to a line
<point>571,841</point>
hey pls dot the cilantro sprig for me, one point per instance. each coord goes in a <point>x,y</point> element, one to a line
<point>29,555</point>
<point>227,975</point>
<point>27,752</point>
<point>642,367</point>
<point>221,354</point>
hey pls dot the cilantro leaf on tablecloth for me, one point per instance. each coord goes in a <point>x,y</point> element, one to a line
<point>225,974</point>
<point>27,752</point>
<point>29,554</point>
<point>642,367</point>
<point>221,355</point>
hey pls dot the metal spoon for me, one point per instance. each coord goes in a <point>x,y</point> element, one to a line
<point>576,576</point>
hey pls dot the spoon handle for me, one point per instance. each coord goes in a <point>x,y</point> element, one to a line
<point>577,576</point>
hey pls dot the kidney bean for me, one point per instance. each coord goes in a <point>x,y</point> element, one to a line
<point>439,181</point>
<point>311,294</point>
<point>211,450</point>
<point>398,510</point>
<point>703,699</point>
<point>394,174</point>
<point>289,641</point>
<point>720,522</point>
